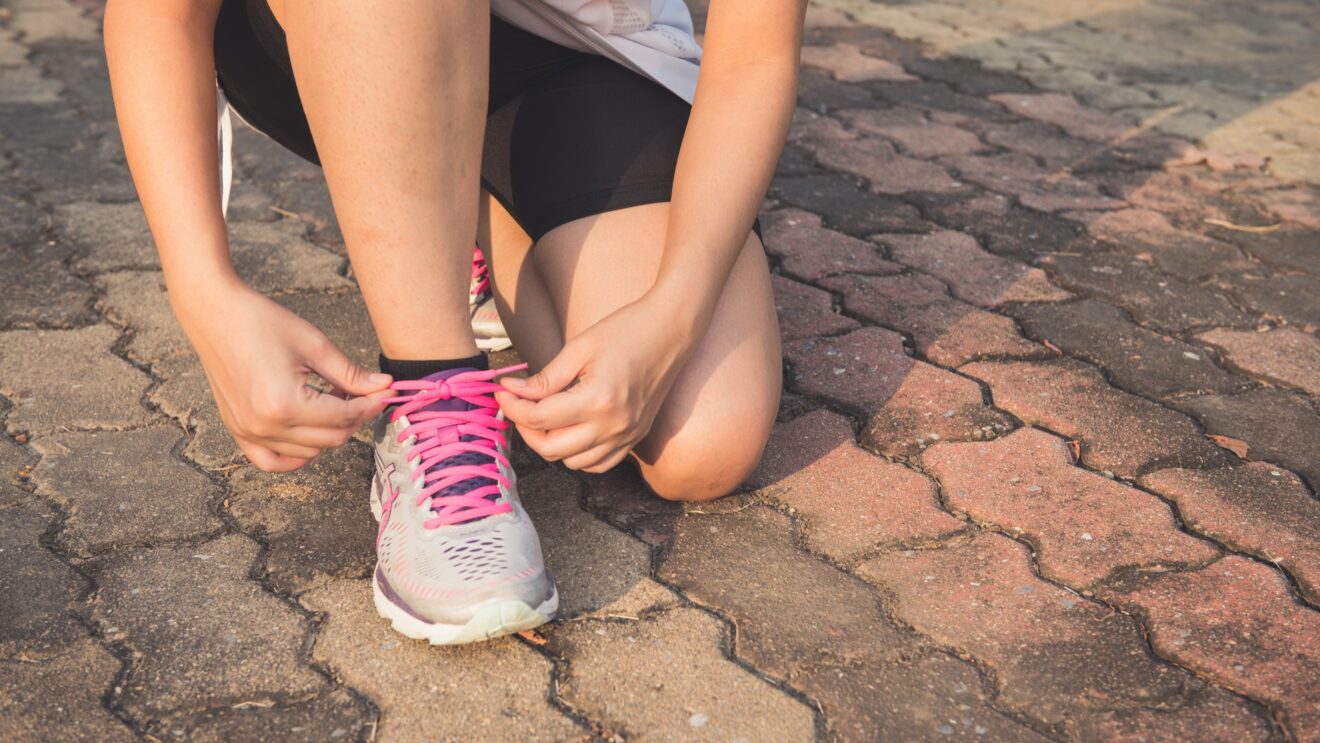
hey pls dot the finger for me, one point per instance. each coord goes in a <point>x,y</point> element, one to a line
<point>558,374</point>
<point>563,443</point>
<point>315,438</point>
<point>267,459</point>
<point>609,462</point>
<point>319,410</point>
<point>296,451</point>
<point>340,371</point>
<point>559,410</point>
<point>593,459</point>
<point>553,446</point>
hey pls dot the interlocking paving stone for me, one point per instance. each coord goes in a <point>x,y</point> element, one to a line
<point>202,634</point>
<point>594,566</point>
<point>940,99</point>
<point>1119,433</point>
<point>1252,637</point>
<point>185,396</point>
<point>848,64</point>
<point>846,500</point>
<point>935,698</point>
<point>1210,714</point>
<point>910,403</point>
<point>788,619</point>
<point>1085,526</point>
<point>967,76</point>
<point>60,699</point>
<point>809,127</point>
<point>1289,247</point>
<point>495,690</point>
<point>884,169</point>
<point>809,251</point>
<point>25,85</point>
<point>39,291</point>
<point>1057,656</point>
<point>674,682</point>
<point>945,330</point>
<point>268,255</point>
<point>805,311</point>
<point>1006,229</point>
<point>819,91</point>
<point>309,200</point>
<point>1286,297</point>
<point>1137,359</point>
<point>113,236</point>
<point>333,716</point>
<point>1286,355</point>
<point>80,66</point>
<point>973,275</point>
<point>623,500</point>
<point>1186,198</point>
<point>847,206</point>
<point>92,389</point>
<point>1054,148</point>
<point>315,520</point>
<point>138,301</point>
<point>37,591</point>
<point>1064,112</point>
<point>278,256</point>
<point>79,174</point>
<point>1019,175</point>
<point>1297,204</point>
<point>1278,426</point>
<point>21,222</point>
<point>1181,253</point>
<point>265,163</point>
<point>913,131</point>
<point>15,465</point>
<point>122,489</point>
<point>41,21</point>
<point>1257,508</point>
<point>1164,303</point>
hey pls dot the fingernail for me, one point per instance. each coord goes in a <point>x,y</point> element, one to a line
<point>514,381</point>
<point>378,378</point>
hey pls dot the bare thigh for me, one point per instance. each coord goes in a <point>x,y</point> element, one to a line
<point>713,426</point>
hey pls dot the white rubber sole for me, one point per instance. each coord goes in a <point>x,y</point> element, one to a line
<point>493,344</point>
<point>494,619</point>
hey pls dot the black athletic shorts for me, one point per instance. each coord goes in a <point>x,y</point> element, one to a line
<point>568,134</point>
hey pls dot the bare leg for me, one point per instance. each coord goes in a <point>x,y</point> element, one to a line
<point>713,426</point>
<point>395,93</point>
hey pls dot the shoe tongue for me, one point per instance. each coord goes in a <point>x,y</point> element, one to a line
<point>449,435</point>
<point>453,403</point>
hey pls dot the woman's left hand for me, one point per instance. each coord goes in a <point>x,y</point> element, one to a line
<point>623,367</point>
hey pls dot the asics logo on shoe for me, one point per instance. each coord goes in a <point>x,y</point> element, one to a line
<point>388,494</point>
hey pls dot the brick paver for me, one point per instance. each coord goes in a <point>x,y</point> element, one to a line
<point>1046,466</point>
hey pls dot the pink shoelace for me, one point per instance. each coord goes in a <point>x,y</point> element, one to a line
<point>444,434</point>
<point>480,273</point>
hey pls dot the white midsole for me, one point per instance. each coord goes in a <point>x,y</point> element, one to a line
<point>495,619</point>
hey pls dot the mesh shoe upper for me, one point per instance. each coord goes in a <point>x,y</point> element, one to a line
<point>453,534</point>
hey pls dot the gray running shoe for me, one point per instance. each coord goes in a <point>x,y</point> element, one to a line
<point>457,558</point>
<point>486,324</point>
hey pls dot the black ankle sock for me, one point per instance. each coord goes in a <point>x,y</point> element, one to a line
<point>410,369</point>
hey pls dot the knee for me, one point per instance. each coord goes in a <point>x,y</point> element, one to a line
<point>696,466</point>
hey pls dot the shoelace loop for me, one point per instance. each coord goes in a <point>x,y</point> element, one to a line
<point>476,431</point>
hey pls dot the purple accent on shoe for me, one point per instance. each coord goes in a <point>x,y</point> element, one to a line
<point>394,598</point>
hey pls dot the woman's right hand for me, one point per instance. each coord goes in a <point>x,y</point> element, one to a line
<point>258,356</point>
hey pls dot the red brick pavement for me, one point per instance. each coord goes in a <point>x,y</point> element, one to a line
<point>1046,468</point>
